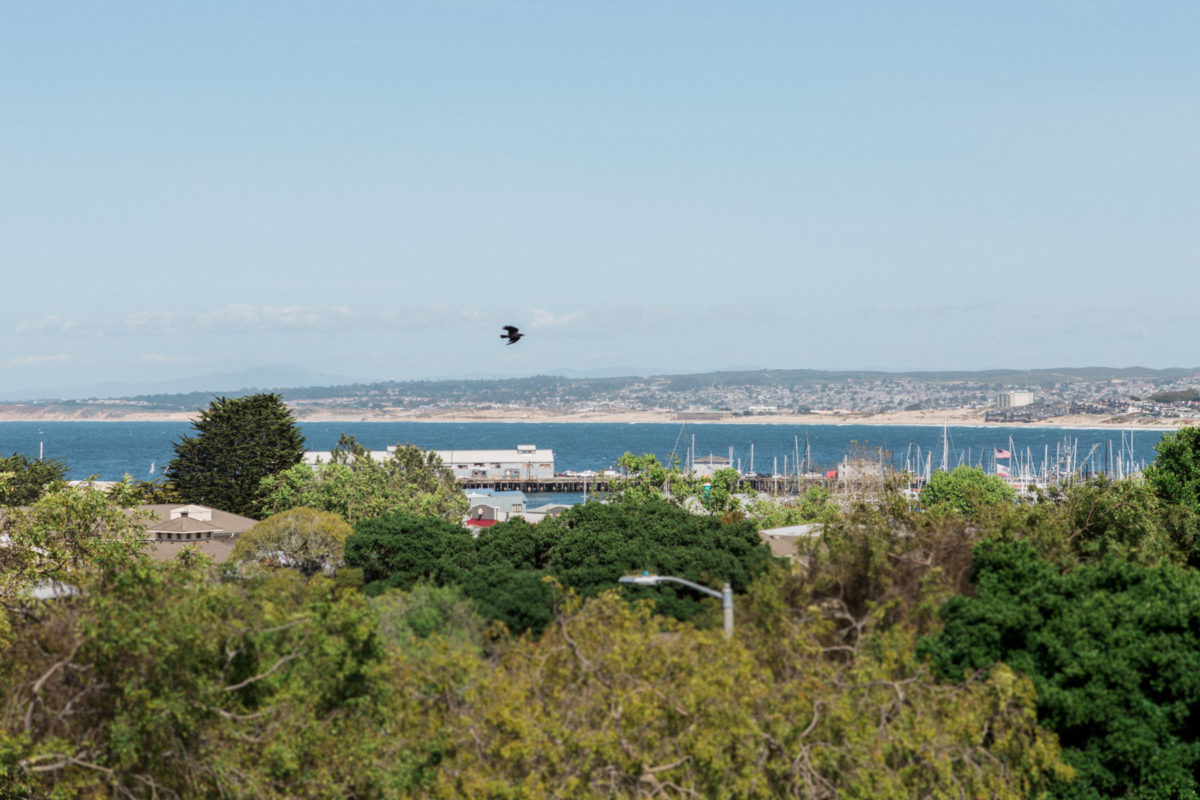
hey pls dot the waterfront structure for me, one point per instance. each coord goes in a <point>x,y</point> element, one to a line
<point>489,507</point>
<point>527,462</point>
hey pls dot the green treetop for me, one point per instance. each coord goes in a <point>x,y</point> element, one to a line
<point>358,487</point>
<point>965,490</point>
<point>23,480</point>
<point>306,539</point>
<point>238,442</point>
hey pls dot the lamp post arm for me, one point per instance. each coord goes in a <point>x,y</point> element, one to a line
<point>725,595</point>
<point>696,586</point>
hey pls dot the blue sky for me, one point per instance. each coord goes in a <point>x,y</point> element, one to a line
<point>372,189</point>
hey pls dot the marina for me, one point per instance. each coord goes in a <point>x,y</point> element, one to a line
<point>774,458</point>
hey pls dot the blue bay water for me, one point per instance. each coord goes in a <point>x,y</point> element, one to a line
<point>109,450</point>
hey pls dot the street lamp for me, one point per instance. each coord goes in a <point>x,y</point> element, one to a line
<point>725,595</point>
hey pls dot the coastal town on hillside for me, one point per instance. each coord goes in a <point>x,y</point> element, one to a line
<point>1098,396</point>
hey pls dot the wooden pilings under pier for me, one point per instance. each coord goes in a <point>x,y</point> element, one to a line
<point>558,483</point>
<point>781,485</point>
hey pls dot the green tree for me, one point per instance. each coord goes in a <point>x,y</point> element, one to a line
<point>305,539</point>
<point>965,490</point>
<point>1101,517</point>
<point>644,478</point>
<point>238,442</point>
<point>1114,652</point>
<point>516,543</point>
<point>428,612</point>
<point>53,543</point>
<point>157,680</point>
<point>1175,473</point>
<point>397,550</point>
<point>23,480</point>
<point>596,543</point>
<point>157,491</point>
<point>718,494</point>
<point>614,702</point>
<point>816,505</point>
<point>523,599</point>
<point>358,487</point>
<point>1175,477</point>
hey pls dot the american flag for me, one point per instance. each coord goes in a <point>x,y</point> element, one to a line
<point>1002,453</point>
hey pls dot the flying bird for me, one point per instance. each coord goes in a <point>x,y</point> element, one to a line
<point>512,335</point>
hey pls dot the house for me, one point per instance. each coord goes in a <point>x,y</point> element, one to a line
<point>784,542</point>
<point>487,508</point>
<point>174,526</point>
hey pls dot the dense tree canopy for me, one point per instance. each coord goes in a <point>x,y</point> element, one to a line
<point>587,549</point>
<point>597,543</point>
<point>23,480</point>
<point>1175,477</point>
<point>397,550</point>
<point>238,442</point>
<point>54,543</point>
<point>965,490</point>
<point>1114,652</point>
<point>604,705</point>
<point>1175,473</point>
<point>358,487</point>
<point>970,646</point>
<point>305,539</point>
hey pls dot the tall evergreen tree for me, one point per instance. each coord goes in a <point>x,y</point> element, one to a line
<point>238,442</point>
<point>23,480</point>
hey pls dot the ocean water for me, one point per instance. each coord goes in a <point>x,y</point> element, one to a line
<point>110,450</point>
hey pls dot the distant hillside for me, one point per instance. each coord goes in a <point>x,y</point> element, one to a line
<point>792,389</point>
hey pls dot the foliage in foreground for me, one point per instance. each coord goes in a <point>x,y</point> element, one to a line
<point>613,702</point>
<point>180,680</point>
<point>1114,652</point>
<point>587,549</point>
<point>162,681</point>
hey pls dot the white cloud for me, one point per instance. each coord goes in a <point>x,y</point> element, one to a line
<point>27,361</point>
<point>160,321</point>
<point>51,323</point>
<point>160,358</point>
<point>540,318</point>
<point>242,316</point>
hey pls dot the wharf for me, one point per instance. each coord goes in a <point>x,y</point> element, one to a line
<point>559,483</point>
<point>782,484</point>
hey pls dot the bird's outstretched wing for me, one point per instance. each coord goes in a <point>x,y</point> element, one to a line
<point>511,330</point>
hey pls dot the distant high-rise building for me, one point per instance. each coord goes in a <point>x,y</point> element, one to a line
<point>1014,399</point>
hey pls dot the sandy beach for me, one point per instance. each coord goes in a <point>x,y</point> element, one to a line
<point>953,417</point>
